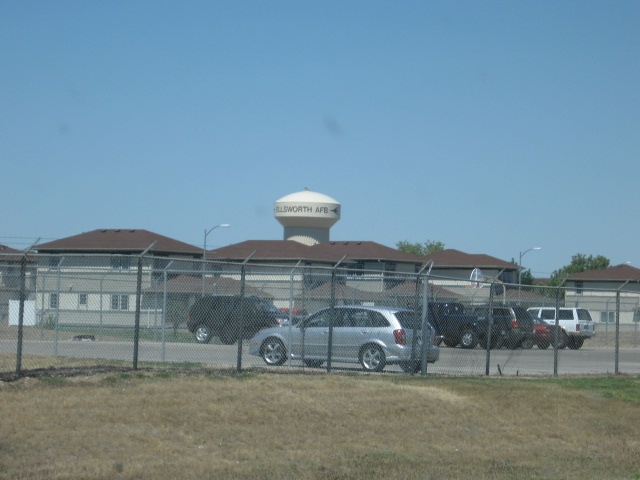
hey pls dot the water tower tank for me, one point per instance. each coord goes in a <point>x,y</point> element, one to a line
<point>307,216</point>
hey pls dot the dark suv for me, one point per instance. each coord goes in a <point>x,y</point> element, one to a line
<point>223,315</point>
<point>518,319</point>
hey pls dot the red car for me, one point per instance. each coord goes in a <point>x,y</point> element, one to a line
<point>542,334</point>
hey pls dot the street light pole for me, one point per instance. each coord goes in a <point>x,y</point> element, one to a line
<point>522,254</point>
<point>204,248</point>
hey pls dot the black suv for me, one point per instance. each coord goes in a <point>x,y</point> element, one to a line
<point>518,322</point>
<point>223,316</point>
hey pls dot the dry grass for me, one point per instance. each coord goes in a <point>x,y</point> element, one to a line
<point>159,425</point>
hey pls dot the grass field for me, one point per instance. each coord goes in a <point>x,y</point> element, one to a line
<point>195,424</point>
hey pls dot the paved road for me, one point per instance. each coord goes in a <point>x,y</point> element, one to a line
<point>453,361</point>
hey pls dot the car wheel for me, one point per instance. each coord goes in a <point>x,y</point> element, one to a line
<point>563,339</point>
<point>543,345</point>
<point>575,343</point>
<point>468,338</point>
<point>273,351</point>
<point>203,333</point>
<point>527,343</point>
<point>410,367</point>
<point>372,358</point>
<point>313,363</point>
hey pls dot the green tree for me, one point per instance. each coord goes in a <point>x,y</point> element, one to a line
<point>525,276</point>
<point>420,249</point>
<point>579,263</point>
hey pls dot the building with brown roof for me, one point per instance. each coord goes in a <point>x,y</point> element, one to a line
<point>372,267</point>
<point>602,290</point>
<point>9,278</point>
<point>91,277</point>
<point>365,256</point>
<point>366,269</point>
<point>122,242</point>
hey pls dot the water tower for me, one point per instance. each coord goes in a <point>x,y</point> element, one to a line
<point>307,216</point>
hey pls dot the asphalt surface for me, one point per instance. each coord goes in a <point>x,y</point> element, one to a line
<point>453,361</point>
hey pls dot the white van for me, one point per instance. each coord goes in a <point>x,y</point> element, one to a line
<point>576,324</point>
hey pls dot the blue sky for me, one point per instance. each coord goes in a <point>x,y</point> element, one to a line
<point>491,126</point>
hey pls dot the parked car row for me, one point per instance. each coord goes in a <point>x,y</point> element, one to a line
<point>372,336</point>
<point>515,327</point>
<point>574,324</point>
<point>376,336</point>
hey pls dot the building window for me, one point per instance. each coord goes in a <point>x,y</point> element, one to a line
<point>391,279</point>
<point>314,277</point>
<point>608,317</point>
<point>508,277</point>
<point>119,302</point>
<point>356,269</point>
<point>157,269</point>
<point>53,300</point>
<point>82,299</point>
<point>579,288</point>
<point>54,261</point>
<point>120,263</point>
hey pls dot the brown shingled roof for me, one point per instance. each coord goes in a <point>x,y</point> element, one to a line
<point>9,254</point>
<point>117,241</point>
<point>9,250</point>
<point>288,250</point>
<point>457,259</point>
<point>363,250</point>
<point>618,273</point>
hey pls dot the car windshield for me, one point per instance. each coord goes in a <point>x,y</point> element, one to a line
<point>409,320</point>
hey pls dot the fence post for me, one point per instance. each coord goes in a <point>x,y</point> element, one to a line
<point>241,332</point>
<point>487,365</point>
<point>332,316</point>
<point>164,310</point>
<point>556,333</point>
<point>136,330</point>
<point>57,325</point>
<point>636,319</point>
<point>425,320</point>
<point>414,336</point>
<point>22,297</point>
<point>23,273</point>
<point>617,348</point>
<point>291,303</point>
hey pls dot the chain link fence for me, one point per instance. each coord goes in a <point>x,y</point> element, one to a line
<point>95,310</point>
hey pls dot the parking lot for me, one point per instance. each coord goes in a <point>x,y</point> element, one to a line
<point>453,361</point>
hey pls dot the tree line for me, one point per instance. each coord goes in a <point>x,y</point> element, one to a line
<point>579,262</point>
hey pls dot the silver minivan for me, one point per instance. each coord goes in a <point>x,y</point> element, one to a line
<point>372,336</point>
